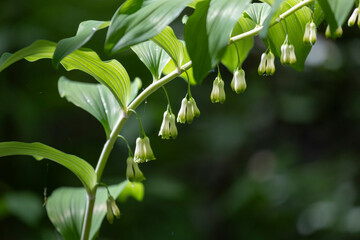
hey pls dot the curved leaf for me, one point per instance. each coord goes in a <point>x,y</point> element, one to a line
<point>294,25</point>
<point>258,12</point>
<point>135,87</point>
<point>85,31</point>
<point>319,14</point>
<point>139,20</point>
<point>336,11</point>
<point>168,41</point>
<point>153,56</point>
<point>94,98</point>
<point>110,73</point>
<point>241,48</point>
<point>66,207</point>
<point>271,17</point>
<point>207,32</point>
<point>83,170</point>
<point>193,4</point>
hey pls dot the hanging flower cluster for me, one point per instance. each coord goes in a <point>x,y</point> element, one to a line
<point>287,53</point>
<point>310,33</point>
<point>111,209</point>
<point>337,34</point>
<point>168,127</point>
<point>188,111</point>
<point>267,64</point>
<point>133,172</point>
<point>143,151</point>
<point>238,83</point>
<point>218,92</point>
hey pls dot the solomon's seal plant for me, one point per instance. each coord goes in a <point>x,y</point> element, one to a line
<point>217,32</point>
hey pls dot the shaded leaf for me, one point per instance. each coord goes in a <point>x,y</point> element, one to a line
<point>94,98</point>
<point>85,31</point>
<point>241,48</point>
<point>207,32</point>
<point>153,56</point>
<point>66,208</point>
<point>271,17</point>
<point>135,87</point>
<point>110,73</point>
<point>168,41</point>
<point>83,170</point>
<point>319,14</point>
<point>193,4</point>
<point>295,26</point>
<point>258,12</point>
<point>336,11</point>
<point>139,20</point>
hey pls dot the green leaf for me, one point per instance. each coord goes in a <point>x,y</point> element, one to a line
<point>153,56</point>
<point>241,48</point>
<point>94,98</point>
<point>168,41</point>
<point>170,67</point>
<point>319,14</point>
<point>258,12</point>
<point>336,11</point>
<point>270,2</point>
<point>207,32</point>
<point>271,17</point>
<point>295,25</point>
<point>66,207</point>
<point>193,4</point>
<point>110,73</point>
<point>85,32</point>
<point>135,87</point>
<point>135,190</point>
<point>83,170</point>
<point>139,20</point>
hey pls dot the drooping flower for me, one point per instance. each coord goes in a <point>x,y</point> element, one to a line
<point>262,65</point>
<point>181,118</point>
<point>310,33</point>
<point>337,34</point>
<point>238,83</point>
<point>133,172</point>
<point>270,63</point>
<point>173,129</point>
<point>355,15</point>
<point>287,53</point>
<point>111,209</point>
<point>188,111</point>
<point>168,127</point>
<point>194,106</point>
<point>143,151</point>
<point>218,92</point>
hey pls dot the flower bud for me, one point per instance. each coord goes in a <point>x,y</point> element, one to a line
<point>353,17</point>
<point>139,176</point>
<point>285,54</point>
<point>165,126</point>
<point>173,129</point>
<point>130,175</point>
<point>306,38</point>
<point>270,63</point>
<point>337,34</point>
<point>218,92</point>
<point>262,65</point>
<point>109,213</point>
<point>189,112</point>
<point>292,55</point>
<point>143,151</point>
<point>114,207</point>
<point>238,83</point>
<point>181,118</point>
<point>195,108</point>
<point>313,32</point>
<point>149,155</point>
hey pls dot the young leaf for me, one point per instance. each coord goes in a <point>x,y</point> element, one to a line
<point>171,67</point>
<point>294,26</point>
<point>66,207</point>
<point>241,48</point>
<point>94,98</point>
<point>83,170</point>
<point>336,11</point>
<point>85,32</point>
<point>207,32</point>
<point>110,73</point>
<point>258,12</point>
<point>139,20</point>
<point>168,41</point>
<point>153,56</point>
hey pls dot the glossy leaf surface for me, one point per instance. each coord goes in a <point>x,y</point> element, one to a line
<point>83,170</point>
<point>110,73</point>
<point>85,31</point>
<point>153,56</point>
<point>207,32</point>
<point>139,20</point>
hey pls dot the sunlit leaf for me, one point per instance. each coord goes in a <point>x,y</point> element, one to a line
<point>336,11</point>
<point>83,170</point>
<point>193,4</point>
<point>110,73</point>
<point>135,87</point>
<point>207,32</point>
<point>257,12</point>
<point>93,98</point>
<point>168,41</point>
<point>270,2</point>
<point>139,20</point>
<point>319,14</point>
<point>294,26</point>
<point>271,17</point>
<point>241,48</point>
<point>85,32</point>
<point>135,190</point>
<point>153,56</point>
<point>66,207</point>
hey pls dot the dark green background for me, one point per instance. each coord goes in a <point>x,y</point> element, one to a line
<point>280,161</point>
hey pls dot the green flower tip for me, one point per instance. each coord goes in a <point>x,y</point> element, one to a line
<point>337,34</point>
<point>168,126</point>
<point>287,53</point>
<point>133,172</point>
<point>238,83</point>
<point>111,210</point>
<point>310,33</point>
<point>218,92</point>
<point>267,64</point>
<point>355,15</point>
<point>143,151</point>
<point>188,111</point>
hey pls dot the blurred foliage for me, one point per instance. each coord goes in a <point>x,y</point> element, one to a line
<point>280,161</point>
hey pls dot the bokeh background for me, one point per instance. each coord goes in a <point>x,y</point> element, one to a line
<point>280,161</point>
